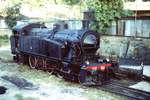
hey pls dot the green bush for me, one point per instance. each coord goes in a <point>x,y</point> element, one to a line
<point>4,40</point>
<point>107,11</point>
<point>4,37</point>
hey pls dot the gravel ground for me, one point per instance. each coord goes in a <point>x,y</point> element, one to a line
<point>48,87</point>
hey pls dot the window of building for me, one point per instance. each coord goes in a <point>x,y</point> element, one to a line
<point>139,28</point>
<point>112,29</point>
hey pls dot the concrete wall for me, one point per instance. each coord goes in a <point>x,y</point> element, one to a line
<point>117,46</point>
<point>4,30</point>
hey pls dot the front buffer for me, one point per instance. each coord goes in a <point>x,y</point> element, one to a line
<point>95,73</point>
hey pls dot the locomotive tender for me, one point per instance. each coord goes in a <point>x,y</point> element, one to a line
<point>70,54</point>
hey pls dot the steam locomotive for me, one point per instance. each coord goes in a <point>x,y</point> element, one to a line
<point>68,53</point>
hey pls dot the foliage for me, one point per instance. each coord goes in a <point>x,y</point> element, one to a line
<point>3,39</point>
<point>146,0</point>
<point>71,2</point>
<point>129,0</point>
<point>13,15</point>
<point>106,11</point>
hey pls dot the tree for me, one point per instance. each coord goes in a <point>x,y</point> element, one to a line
<point>13,15</point>
<point>106,11</point>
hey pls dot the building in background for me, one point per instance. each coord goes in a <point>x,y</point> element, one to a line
<point>140,7</point>
<point>137,25</point>
<point>129,37</point>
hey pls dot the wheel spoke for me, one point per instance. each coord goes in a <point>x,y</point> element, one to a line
<point>44,63</point>
<point>32,62</point>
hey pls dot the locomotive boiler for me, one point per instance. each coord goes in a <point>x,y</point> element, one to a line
<point>68,53</point>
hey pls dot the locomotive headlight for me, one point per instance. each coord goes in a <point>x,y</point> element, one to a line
<point>107,59</point>
<point>87,62</point>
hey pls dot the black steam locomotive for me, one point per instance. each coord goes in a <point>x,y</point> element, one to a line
<point>70,54</point>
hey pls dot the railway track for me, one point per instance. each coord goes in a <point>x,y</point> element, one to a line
<point>121,89</point>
